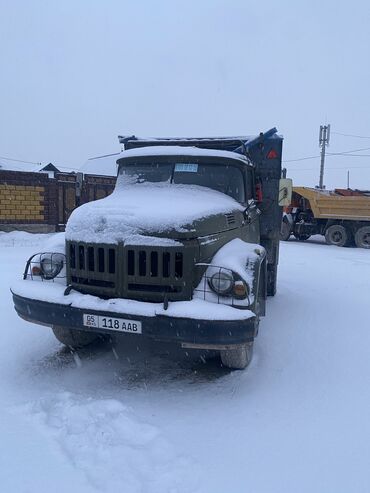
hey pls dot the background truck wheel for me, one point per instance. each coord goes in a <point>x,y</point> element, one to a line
<point>362,237</point>
<point>337,235</point>
<point>285,231</point>
<point>302,237</point>
<point>74,338</point>
<point>271,279</point>
<point>237,359</point>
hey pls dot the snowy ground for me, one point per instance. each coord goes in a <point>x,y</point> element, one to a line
<point>298,420</point>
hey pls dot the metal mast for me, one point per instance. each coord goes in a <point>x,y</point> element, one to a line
<point>324,137</point>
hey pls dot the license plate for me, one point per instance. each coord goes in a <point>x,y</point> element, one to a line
<point>109,323</point>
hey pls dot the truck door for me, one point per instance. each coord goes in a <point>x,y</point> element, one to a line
<point>252,212</point>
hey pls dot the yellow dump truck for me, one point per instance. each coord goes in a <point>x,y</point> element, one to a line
<point>341,215</point>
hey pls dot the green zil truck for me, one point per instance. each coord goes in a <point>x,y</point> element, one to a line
<point>184,250</point>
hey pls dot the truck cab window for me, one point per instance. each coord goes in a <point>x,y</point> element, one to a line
<point>249,185</point>
<point>225,178</point>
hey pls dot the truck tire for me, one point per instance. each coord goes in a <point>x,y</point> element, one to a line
<point>337,235</point>
<point>74,338</point>
<point>285,231</point>
<point>362,237</point>
<point>239,358</point>
<point>271,279</point>
<point>301,237</point>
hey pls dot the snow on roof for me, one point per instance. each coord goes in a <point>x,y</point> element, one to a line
<point>272,134</point>
<point>101,165</point>
<point>6,165</point>
<point>174,139</point>
<point>15,166</point>
<point>180,151</point>
<point>107,165</point>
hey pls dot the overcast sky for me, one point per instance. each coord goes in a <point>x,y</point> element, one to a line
<point>75,74</point>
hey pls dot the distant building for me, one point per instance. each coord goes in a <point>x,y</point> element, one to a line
<point>50,169</point>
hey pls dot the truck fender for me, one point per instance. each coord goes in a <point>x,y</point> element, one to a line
<point>249,262</point>
<point>287,217</point>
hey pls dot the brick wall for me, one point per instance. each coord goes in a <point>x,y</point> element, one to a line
<point>22,203</point>
<point>34,202</point>
<point>25,201</point>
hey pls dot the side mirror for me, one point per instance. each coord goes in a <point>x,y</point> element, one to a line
<point>285,191</point>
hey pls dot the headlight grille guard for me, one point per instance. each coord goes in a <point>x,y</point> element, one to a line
<point>204,291</point>
<point>33,265</point>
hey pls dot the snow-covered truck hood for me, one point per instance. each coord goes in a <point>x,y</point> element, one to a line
<point>151,209</point>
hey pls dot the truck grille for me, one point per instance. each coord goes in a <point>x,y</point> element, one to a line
<point>152,263</point>
<point>93,268</point>
<point>136,272</point>
<point>156,272</point>
<point>230,219</point>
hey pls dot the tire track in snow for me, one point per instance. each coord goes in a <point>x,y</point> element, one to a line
<point>112,447</point>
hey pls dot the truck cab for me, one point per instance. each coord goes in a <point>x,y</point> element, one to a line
<point>184,250</point>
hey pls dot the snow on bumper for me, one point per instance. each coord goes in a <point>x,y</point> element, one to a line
<point>193,322</point>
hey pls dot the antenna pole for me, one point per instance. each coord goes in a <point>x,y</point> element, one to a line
<point>324,137</point>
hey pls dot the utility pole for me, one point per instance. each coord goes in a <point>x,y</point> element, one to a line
<point>324,137</point>
<point>347,179</point>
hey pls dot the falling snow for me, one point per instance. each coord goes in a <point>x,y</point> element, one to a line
<point>140,417</point>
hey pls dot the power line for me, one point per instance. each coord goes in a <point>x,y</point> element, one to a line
<point>14,167</point>
<point>18,160</point>
<point>301,159</point>
<point>348,152</point>
<point>350,167</point>
<point>346,155</point>
<point>74,168</point>
<point>351,135</point>
<point>332,167</point>
<point>343,153</point>
<point>104,155</point>
<point>32,162</point>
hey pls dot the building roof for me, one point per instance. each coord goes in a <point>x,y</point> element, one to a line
<point>10,165</point>
<point>101,165</point>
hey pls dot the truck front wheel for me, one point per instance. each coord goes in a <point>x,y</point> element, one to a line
<point>285,231</point>
<point>362,237</point>
<point>74,338</point>
<point>239,358</point>
<point>301,237</point>
<point>337,235</point>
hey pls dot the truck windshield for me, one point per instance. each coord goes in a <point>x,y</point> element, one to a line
<point>224,178</point>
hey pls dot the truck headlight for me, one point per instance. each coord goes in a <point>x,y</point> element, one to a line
<point>221,282</point>
<point>51,264</point>
<point>241,289</point>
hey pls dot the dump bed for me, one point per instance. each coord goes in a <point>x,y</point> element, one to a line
<point>333,205</point>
